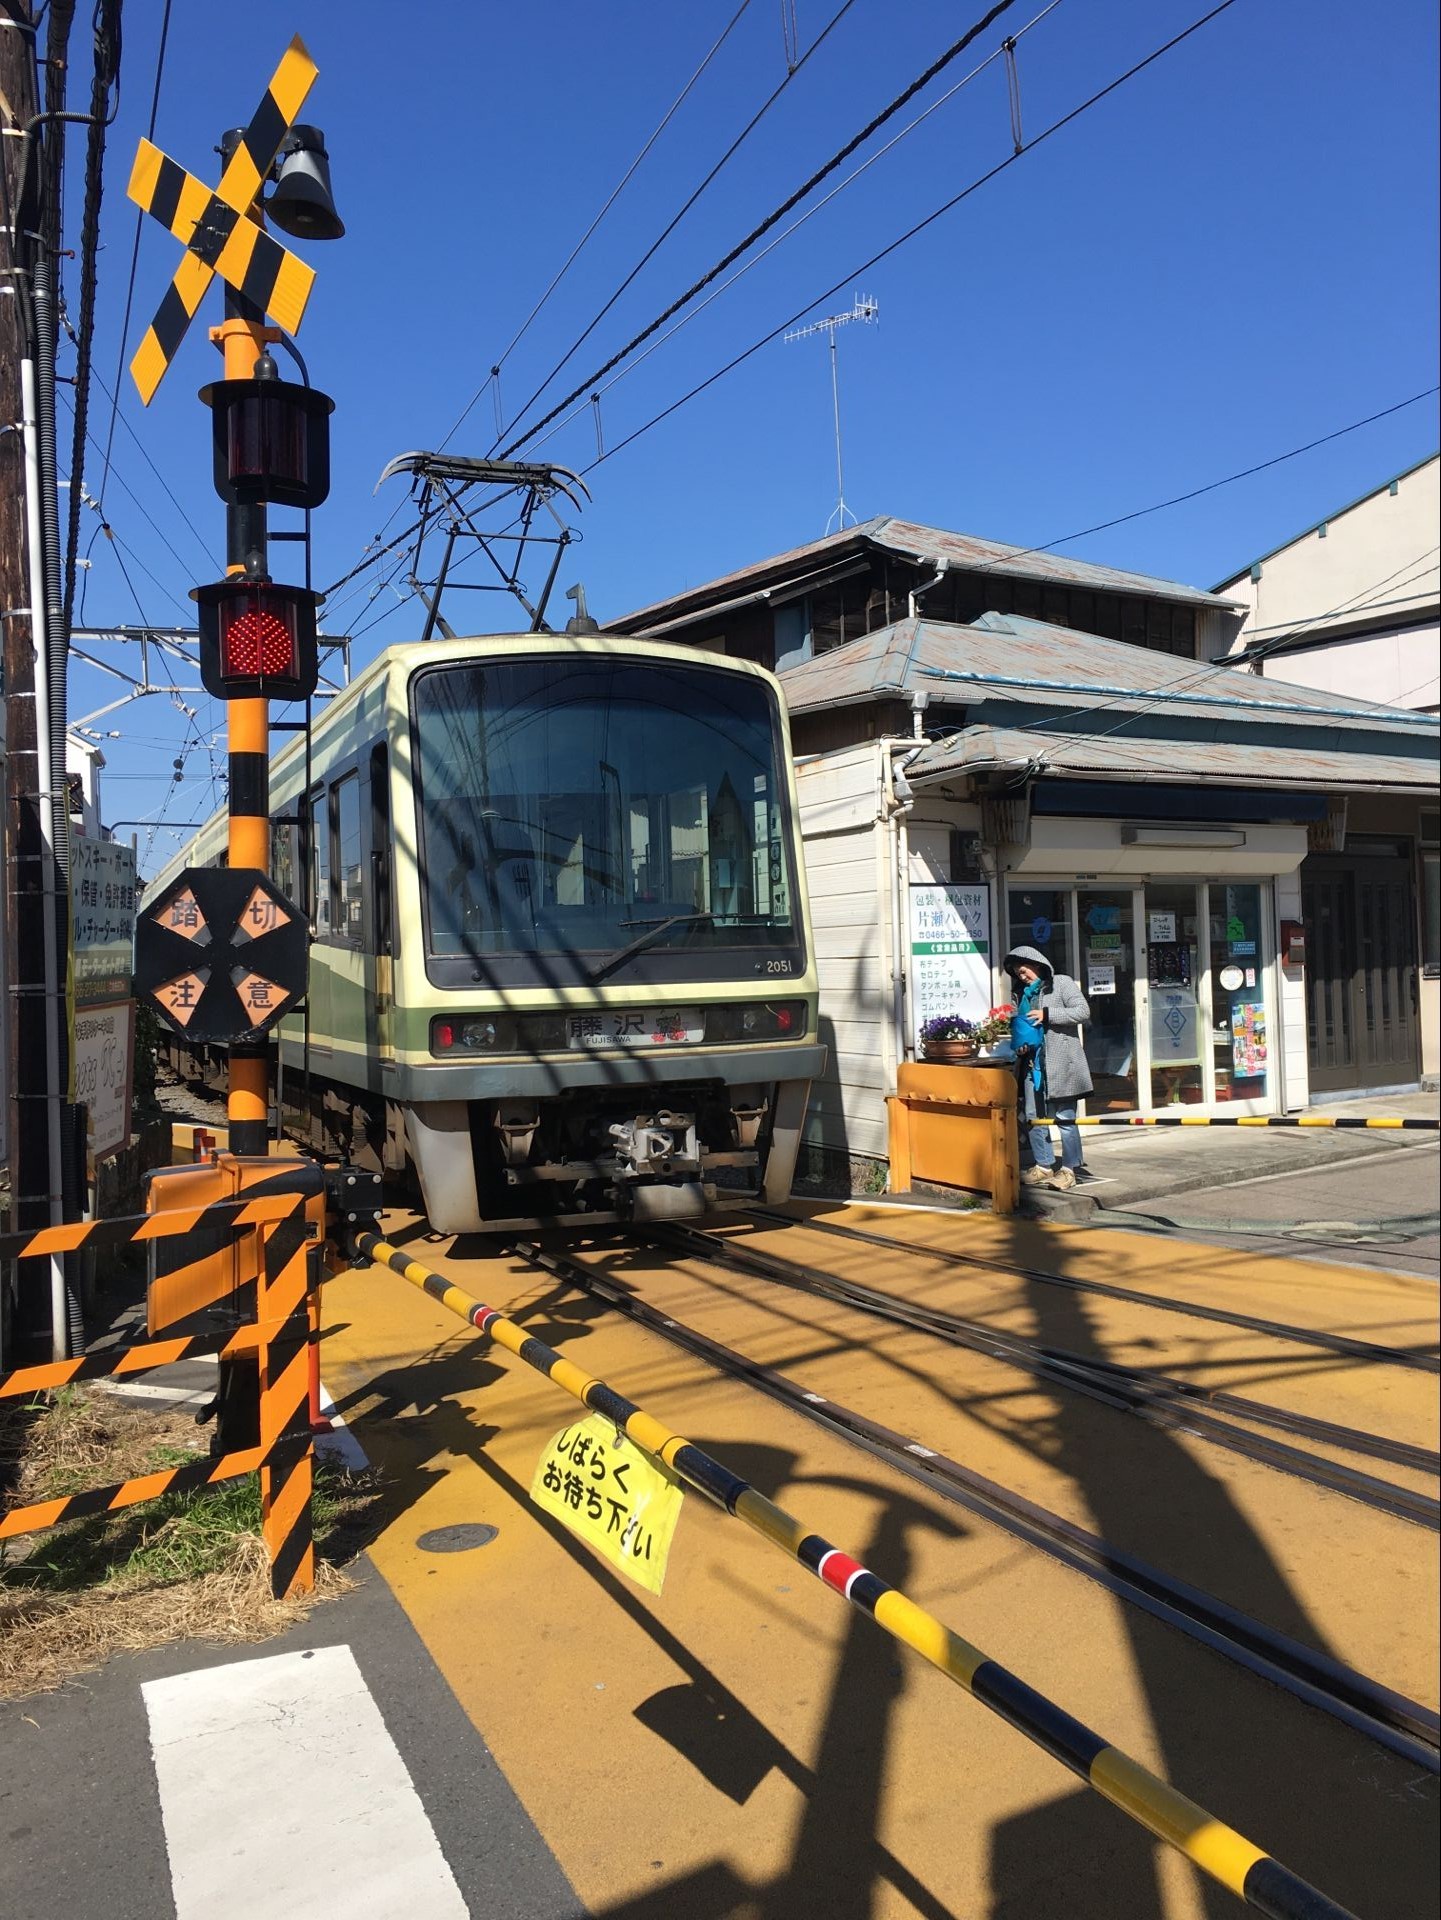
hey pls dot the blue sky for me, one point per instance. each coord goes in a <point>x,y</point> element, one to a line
<point>1232,255</point>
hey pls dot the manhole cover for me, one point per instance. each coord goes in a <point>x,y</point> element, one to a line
<point>457,1539</point>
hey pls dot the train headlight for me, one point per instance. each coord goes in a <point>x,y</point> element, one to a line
<point>757,1020</point>
<point>472,1033</point>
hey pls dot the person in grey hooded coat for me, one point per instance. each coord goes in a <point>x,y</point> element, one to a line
<point>1058,1078</point>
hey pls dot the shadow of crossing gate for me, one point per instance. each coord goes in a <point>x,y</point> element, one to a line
<point>236,1264</point>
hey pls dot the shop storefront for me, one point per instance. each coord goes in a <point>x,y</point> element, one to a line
<point>1179,976</point>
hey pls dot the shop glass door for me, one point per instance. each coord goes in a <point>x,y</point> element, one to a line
<point>1240,1040</point>
<point>1106,933</point>
<point>1174,979</point>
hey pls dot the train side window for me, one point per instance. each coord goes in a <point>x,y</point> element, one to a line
<point>282,857</point>
<point>320,865</point>
<point>346,868</point>
<point>380,849</point>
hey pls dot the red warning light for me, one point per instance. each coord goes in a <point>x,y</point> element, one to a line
<point>257,640</point>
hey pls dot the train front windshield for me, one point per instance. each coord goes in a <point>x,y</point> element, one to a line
<point>585,819</point>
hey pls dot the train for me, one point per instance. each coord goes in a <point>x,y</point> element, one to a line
<point>561,970</point>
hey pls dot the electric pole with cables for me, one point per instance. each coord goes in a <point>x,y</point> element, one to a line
<point>40,1306</point>
<point>862,308</point>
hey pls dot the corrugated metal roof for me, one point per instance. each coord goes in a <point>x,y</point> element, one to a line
<point>1029,662</point>
<point>979,750</point>
<point>923,544</point>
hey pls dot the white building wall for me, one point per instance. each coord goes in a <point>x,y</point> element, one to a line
<point>1397,669</point>
<point>1370,565</point>
<point>845,844</point>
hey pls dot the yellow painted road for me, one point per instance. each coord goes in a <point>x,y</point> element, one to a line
<point>744,1745</point>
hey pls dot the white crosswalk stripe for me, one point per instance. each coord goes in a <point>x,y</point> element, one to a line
<point>282,1793</point>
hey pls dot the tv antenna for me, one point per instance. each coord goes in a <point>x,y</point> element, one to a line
<point>861,308</point>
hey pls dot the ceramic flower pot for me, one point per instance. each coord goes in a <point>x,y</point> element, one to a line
<point>949,1053</point>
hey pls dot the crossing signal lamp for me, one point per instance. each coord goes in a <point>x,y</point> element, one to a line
<point>257,640</point>
<point>271,440</point>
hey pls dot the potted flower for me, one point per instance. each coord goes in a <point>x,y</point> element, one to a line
<point>948,1038</point>
<point>993,1034</point>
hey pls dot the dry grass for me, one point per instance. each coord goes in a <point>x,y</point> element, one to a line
<point>185,1566</point>
<point>49,1638</point>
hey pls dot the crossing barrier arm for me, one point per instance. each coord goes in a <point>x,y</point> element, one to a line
<point>1240,1866</point>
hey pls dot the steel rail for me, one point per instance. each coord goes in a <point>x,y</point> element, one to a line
<point>1071,1371</point>
<point>1144,1381</point>
<point>1277,1329</point>
<point>1217,1849</point>
<point>1376,1446</point>
<point>1390,1719</point>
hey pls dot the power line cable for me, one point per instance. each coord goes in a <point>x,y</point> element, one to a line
<point>910,234</point>
<point>1176,500</point>
<point>107,73</point>
<point>666,232</point>
<point>134,257</point>
<point>616,192</point>
<point>695,311</point>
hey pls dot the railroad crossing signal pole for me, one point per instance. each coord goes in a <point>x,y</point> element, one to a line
<point>271,444</point>
<point>243,339</point>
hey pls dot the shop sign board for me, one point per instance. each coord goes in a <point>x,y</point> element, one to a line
<point>104,1059</point>
<point>102,893</point>
<point>950,953</point>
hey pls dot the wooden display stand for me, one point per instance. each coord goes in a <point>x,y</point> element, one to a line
<point>956,1126</point>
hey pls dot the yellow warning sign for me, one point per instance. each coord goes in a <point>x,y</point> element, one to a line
<point>262,913</point>
<point>618,1498</point>
<point>258,996</point>
<point>182,915</point>
<point>179,998</point>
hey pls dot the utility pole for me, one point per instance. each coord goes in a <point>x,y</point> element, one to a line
<point>35,819</point>
<point>863,308</point>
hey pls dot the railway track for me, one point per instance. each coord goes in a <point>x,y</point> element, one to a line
<point>1423,1361</point>
<point>1159,1399</point>
<point>1393,1721</point>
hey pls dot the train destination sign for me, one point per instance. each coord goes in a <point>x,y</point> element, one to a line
<point>222,954</point>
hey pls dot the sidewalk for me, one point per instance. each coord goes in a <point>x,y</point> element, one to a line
<point>1366,1197</point>
<point>353,1785</point>
<point>1134,1165</point>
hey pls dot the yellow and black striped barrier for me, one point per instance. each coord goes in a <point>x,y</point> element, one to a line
<point>144,1357</point>
<point>133,1228</point>
<point>1395,1124</point>
<point>1217,1849</point>
<point>279,1336</point>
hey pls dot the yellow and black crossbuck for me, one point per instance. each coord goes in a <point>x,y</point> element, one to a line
<point>217,228</point>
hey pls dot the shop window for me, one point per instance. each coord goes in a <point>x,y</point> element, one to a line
<point>1041,918</point>
<point>1173,970</point>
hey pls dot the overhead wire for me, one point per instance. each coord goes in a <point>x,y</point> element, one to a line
<point>368,560</point>
<point>764,252</point>
<point>670,228</point>
<point>615,194</point>
<point>920,226</point>
<point>1195,493</point>
<point>107,40</point>
<point>134,258</point>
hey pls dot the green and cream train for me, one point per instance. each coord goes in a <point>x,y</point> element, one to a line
<point>560,964</point>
